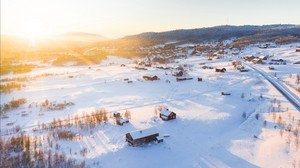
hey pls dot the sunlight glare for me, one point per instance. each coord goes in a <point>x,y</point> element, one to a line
<point>33,32</point>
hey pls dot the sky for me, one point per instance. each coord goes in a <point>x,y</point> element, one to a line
<point>118,18</point>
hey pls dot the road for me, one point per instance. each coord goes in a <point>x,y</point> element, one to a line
<point>290,96</point>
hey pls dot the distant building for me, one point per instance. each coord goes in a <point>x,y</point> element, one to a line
<point>150,78</point>
<point>220,69</point>
<point>137,138</point>
<point>166,114</point>
<point>297,49</point>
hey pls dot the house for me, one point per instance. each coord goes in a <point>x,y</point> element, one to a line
<point>150,78</point>
<point>140,68</point>
<point>257,61</point>
<point>182,79</point>
<point>262,57</point>
<point>235,63</point>
<point>166,114</point>
<point>119,119</point>
<point>220,69</point>
<point>140,137</point>
<point>271,68</point>
<point>199,79</point>
<point>297,49</point>
<point>225,94</point>
<point>178,74</point>
<point>244,70</point>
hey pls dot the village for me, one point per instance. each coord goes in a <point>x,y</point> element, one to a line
<point>166,102</point>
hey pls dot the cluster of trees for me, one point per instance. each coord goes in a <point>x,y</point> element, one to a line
<point>13,104</point>
<point>8,87</point>
<point>16,69</point>
<point>24,151</point>
<point>53,106</point>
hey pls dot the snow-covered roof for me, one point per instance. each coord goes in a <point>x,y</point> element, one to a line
<point>143,133</point>
<point>123,120</point>
<point>165,112</point>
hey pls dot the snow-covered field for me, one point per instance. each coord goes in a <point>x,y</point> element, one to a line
<point>245,129</point>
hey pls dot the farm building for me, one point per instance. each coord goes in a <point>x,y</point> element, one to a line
<point>140,137</point>
<point>220,69</point>
<point>166,114</point>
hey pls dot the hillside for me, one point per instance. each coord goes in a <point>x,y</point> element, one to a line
<point>218,33</point>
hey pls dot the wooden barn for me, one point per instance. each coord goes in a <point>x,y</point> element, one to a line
<point>166,114</point>
<point>140,137</point>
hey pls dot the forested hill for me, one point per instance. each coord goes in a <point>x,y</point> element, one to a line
<point>218,33</point>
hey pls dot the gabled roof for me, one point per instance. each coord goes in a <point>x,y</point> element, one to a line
<point>165,112</point>
<point>143,133</point>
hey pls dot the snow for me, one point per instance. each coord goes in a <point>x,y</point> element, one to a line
<point>209,130</point>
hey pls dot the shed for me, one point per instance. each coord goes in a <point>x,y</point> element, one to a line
<point>119,119</point>
<point>166,114</point>
<point>140,137</point>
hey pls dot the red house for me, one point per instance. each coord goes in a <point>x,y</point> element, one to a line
<point>166,114</point>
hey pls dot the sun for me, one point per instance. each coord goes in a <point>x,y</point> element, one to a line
<point>33,32</point>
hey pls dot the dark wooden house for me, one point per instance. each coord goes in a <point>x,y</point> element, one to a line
<point>166,114</point>
<point>220,69</point>
<point>140,137</point>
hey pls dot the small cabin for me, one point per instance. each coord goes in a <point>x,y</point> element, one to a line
<point>150,78</point>
<point>166,114</point>
<point>220,69</point>
<point>119,119</point>
<point>139,137</point>
<point>297,49</point>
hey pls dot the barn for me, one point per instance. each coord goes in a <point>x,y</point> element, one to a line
<point>139,137</point>
<point>166,114</point>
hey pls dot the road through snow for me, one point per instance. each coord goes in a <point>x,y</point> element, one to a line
<point>291,97</point>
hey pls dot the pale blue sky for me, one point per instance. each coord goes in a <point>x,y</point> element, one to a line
<point>117,18</point>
